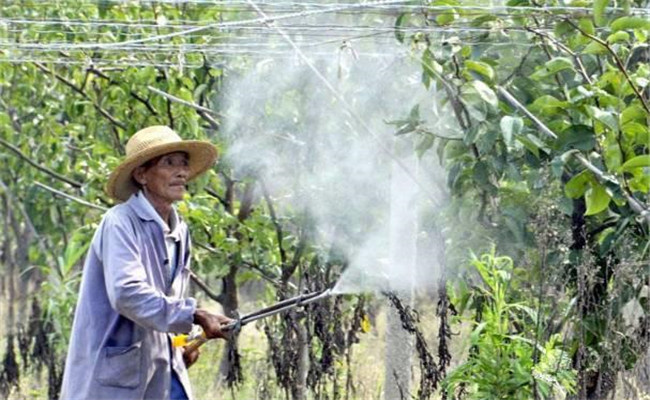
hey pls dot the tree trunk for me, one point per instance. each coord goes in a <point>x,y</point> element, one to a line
<point>9,370</point>
<point>299,391</point>
<point>230,368</point>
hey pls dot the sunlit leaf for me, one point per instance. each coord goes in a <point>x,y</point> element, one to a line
<point>599,11</point>
<point>636,162</point>
<point>510,126</point>
<point>630,23</point>
<point>480,67</point>
<point>597,199</point>
<point>577,185</point>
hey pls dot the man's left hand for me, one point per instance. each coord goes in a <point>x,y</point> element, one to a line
<point>190,356</point>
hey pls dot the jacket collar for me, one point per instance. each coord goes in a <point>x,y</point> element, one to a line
<point>145,211</point>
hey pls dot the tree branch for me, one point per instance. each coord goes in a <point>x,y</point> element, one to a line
<point>72,86</point>
<point>563,47</point>
<point>204,286</point>
<point>519,67</point>
<point>133,94</point>
<point>263,274</point>
<point>441,136</point>
<point>618,61</point>
<point>70,197</point>
<point>214,194</point>
<point>36,165</point>
<point>634,203</point>
<point>276,224</point>
<point>183,102</point>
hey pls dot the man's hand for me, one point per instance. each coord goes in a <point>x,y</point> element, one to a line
<point>190,356</point>
<point>212,324</point>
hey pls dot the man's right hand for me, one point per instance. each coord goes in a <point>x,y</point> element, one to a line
<point>212,324</point>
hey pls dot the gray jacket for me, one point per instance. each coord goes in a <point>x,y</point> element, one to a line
<point>128,305</point>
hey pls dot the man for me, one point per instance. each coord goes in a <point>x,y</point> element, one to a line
<point>135,276</point>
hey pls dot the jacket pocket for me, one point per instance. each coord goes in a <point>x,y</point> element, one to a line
<point>120,366</point>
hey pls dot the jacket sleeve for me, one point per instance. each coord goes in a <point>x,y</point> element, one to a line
<point>128,289</point>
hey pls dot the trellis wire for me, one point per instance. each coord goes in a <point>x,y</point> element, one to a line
<point>378,5</point>
<point>250,45</point>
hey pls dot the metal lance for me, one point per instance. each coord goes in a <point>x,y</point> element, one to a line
<point>197,337</point>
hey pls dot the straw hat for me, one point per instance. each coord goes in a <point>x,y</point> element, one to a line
<point>152,142</point>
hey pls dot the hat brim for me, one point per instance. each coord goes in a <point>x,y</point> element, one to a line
<point>202,156</point>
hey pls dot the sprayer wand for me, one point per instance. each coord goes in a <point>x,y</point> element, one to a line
<point>196,338</point>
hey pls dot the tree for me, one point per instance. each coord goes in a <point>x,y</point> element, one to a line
<point>559,125</point>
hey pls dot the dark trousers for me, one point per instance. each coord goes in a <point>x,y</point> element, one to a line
<point>177,391</point>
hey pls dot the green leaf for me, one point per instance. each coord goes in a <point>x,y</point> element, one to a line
<point>596,198</point>
<point>630,23</point>
<point>641,35</point>
<point>481,175</point>
<point>586,25</point>
<point>595,48</point>
<point>446,17</point>
<point>548,104</point>
<point>618,37</point>
<point>430,68</point>
<point>399,33</point>
<point>599,11</point>
<point>577,185</point>
<point>558,64</point>
<point>510,126</point>
<point>613,156</point>
<point>579,137</point>
<point>424,144</point>
<point>634,128</point>
<point>636,162</point>
<point>633,113</point>
<point>481,68</point>
<point>606,117</point>
<point>532,143</point>
<point>552,67</point>
<point>557,166</point>
<point>486,93</point>
<point>476,333</point>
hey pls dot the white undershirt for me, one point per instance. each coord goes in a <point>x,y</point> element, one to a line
<point>172,237</point>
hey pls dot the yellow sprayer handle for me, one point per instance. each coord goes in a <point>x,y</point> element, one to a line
<point>187,339</point>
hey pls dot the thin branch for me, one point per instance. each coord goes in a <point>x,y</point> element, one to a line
<point>563,47</point>
<point>558,78</point>
<point>72,86</point>
<point>519,67</point>
<point>276,223</point>
<point>133,94</point>
<point>619,63</point>
<point>634,203</point>
<point>442,136</point>
<point>170,115</point>
<point>273,280</point>
<point>263,274</point>
<point>70,197</point>
<point>183,102</point>
<point>214,194</point>
<point>515,103</point>
<point>204,286</point>
<point>214,124</point>
<point>38,166</point>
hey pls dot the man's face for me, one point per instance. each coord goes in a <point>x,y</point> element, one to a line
<point>165,179</point>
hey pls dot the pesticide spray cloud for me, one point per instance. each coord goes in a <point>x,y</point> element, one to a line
<point>286,127</point>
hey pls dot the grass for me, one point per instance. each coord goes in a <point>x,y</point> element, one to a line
<point>367,367</point>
